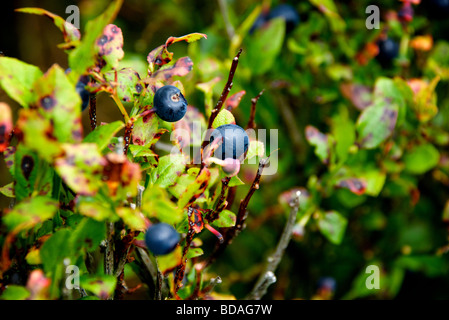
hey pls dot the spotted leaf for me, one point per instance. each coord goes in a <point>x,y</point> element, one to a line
<point>356,186</point>
<point>5,125</point>
<point>180,68</point>
<point>147,130</point>
<point>109,46</point>
<point>195,189</point>
<point>333,226</point>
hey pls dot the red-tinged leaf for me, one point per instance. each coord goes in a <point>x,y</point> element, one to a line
<point>70,33</point>
<point>188,130</point>
<point>359,95</point>
<point>128,83</point>
<point>196,221</point>
<point>5,125</point>
<point>159,57</point>
<point>109,45</point>
<point>195,189</point>
<point>322,143</point>
<point>192,37</point>
<point>356,186</point>
<point>121,176</point>
<point>181,68</point>
<point>38,285</point>
<point>233,101</point>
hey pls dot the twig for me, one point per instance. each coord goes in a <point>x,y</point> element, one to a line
<point>267,277</point>
<point>224,11</point>
<point>212,215</point>
<point>251,124</point>
<point>109,253</point>
<point>224,94</point>
<point>231,233</point>
<point>180,270</point>
<point>127,137</point>
<point>292,128</point>
<point>93,110</point>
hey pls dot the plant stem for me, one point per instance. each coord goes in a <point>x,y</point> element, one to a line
<point>224,11</point>
<point>93,110</point>
<point>267,277</point>
<point>251,123</point>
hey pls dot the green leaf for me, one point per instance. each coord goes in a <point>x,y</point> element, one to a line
<point>333,225</point>
<point>128,83</point>
<point>194,252</point>
<point>54,251</point>
<point>147,131</point>
<point>329,9</point>
<point>95,208</point>
<point>264,47</point>
<point>223,117</point>
<point>17,79</point>
<point>102,286</point>
<point>343,130</point>
<point>438,62</point>
<point>169,169</point>
<point>15,292</point>
<point>255,149</point>
<point>376,123</point>
<point>421,158</point>
<point>235,182</point>
<point>8,190</point>
<point>195,189</point>
<point>375,181</point>
<point>103,134</point>
<point>226,219</point>
<point>30,212</point>
<point>170,261</point>
<point>391,92</point>
<point>84,55</point>
<point>132,218</point>
<point>156,203</point>
<point>180,68</point>
<point>87,235</point>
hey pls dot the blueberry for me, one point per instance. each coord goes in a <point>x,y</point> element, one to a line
<point>234,141</point>
<point>161,238</point>
<point>169,103</point>
<point>328,283</point>
<point>406,12</point>
<point>388,50</point>
<point>83,93</point>
<point>288,13</point>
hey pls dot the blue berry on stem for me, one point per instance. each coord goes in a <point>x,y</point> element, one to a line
<point>169,103</point>
<point>288,13</point>
<point>388,50</point>
<point>234,144</point>
<point>161,238</point>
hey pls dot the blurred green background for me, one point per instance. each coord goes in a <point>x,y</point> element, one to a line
<point>302,79</point>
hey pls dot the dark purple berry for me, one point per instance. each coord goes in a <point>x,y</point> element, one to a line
<point>169,104</point>
<point>83,93</point>
<point>161,238</point>
<point>234,143</point>
<point>388,50</point>
<point>288,13</point>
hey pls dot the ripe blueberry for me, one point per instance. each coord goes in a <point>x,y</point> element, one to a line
<point>388,50</point>
<point>169,103</point>
<point>405,14</point>
<point>161,238</point>
<point>288,13</point>
<point>235,141</point>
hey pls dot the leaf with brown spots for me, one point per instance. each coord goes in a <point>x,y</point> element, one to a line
<point>5,125</point>
<point>95,208</point>
<point>81,167</point>
<point>355,185</point>
<point>109,46</point>
<point>71,34</point>
<point>102,286</point>
<point>58,101</point>
<point>376,123</point>
<point>84,56</point>
<point>169,169</point>
<point>17,79</point>
<point>8,155</point>
<point>195,189</point>
<point>161,56</point>
<point>128,83</point>
<point>146,131</point>
<point>8,190</point>
<point>181,68</point>
<point>30,212</point>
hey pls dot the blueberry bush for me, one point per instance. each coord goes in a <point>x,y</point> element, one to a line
<point>170,198</point>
